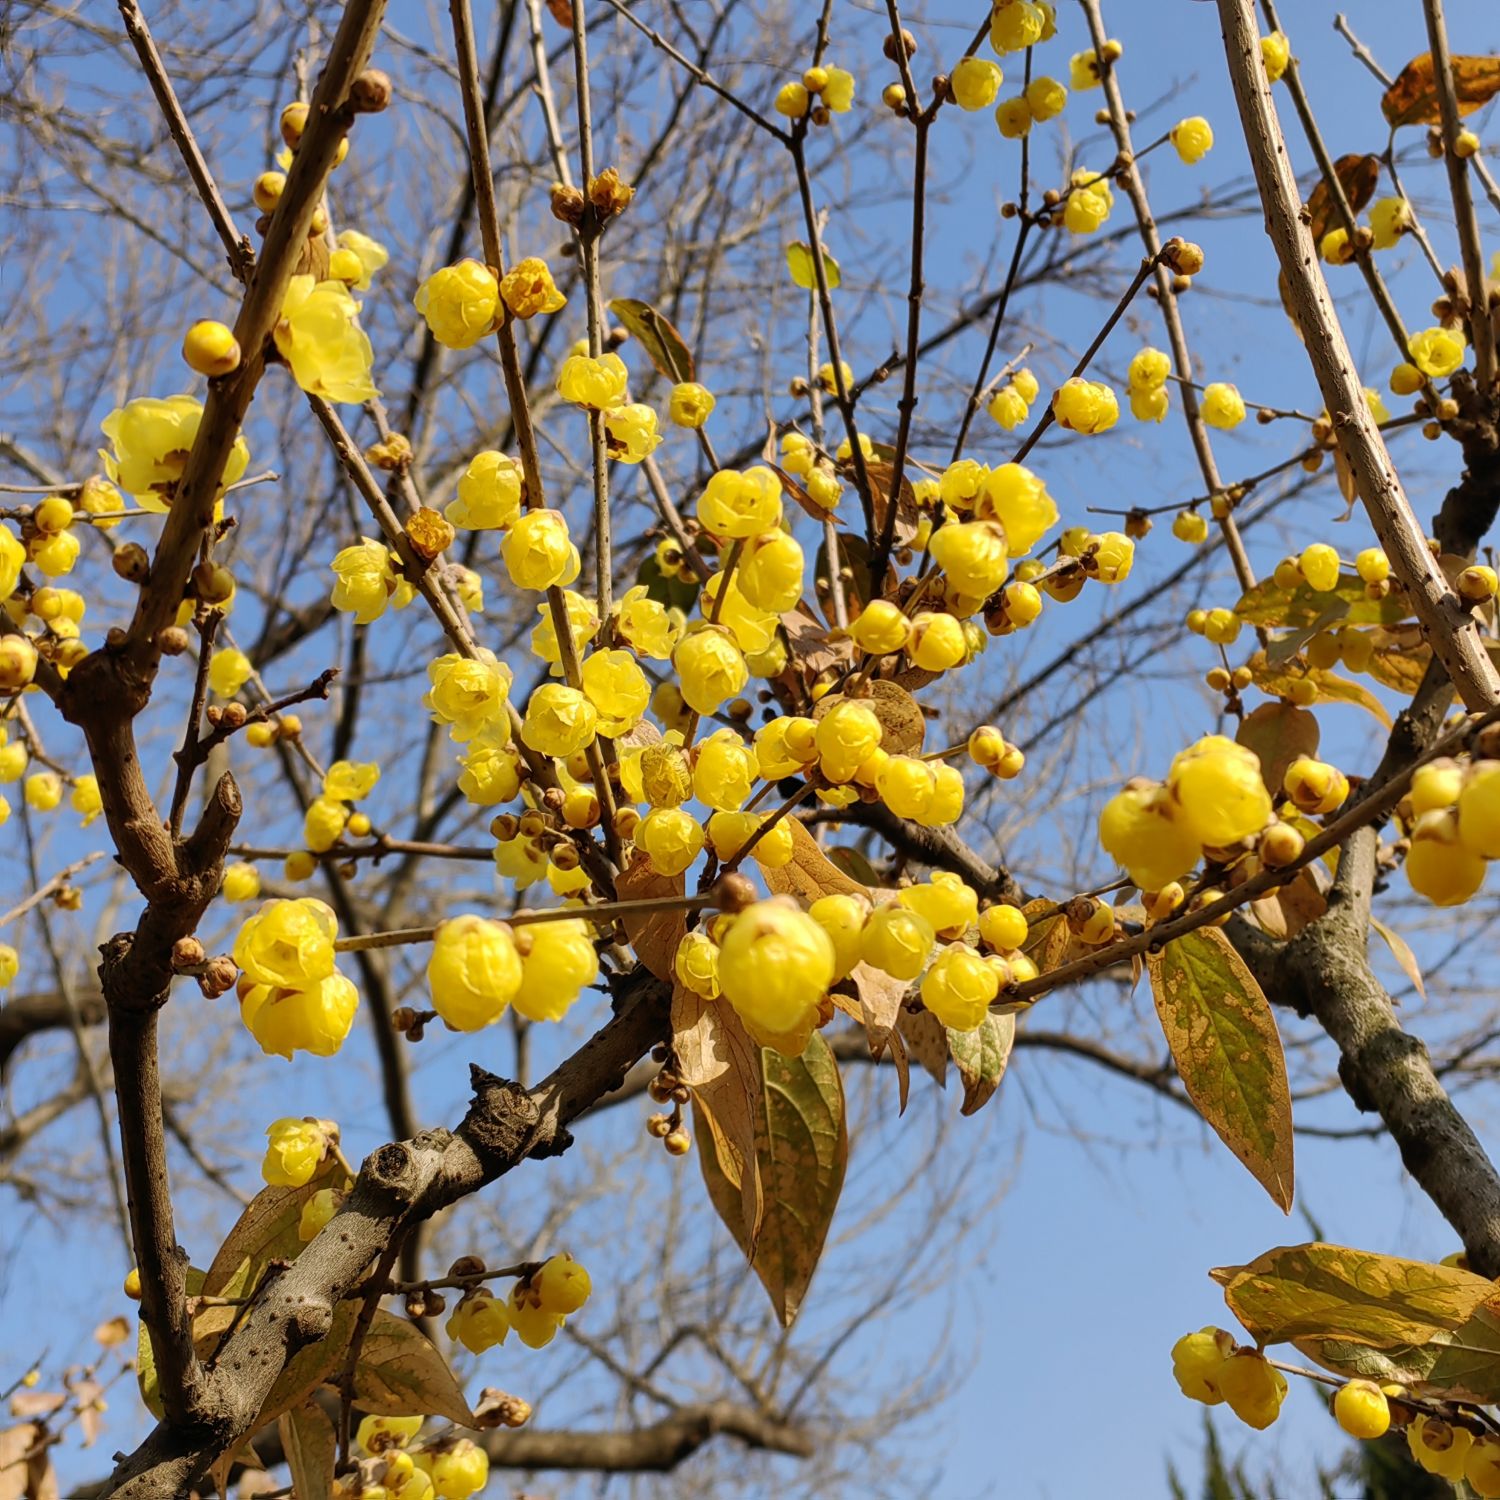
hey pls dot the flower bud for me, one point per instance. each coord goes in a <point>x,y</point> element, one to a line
<point>370,92</point>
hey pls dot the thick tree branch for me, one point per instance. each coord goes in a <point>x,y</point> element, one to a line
<point>1447,624</point>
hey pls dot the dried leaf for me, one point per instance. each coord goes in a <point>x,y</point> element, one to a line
<point>1331,1291</point>
<point>16,1443</point>
<point>1224,1041</point>
<point>799,261</point>
<point>654,332</point>
<point>90,1409</point>
<point>113,1331</point>
<point>561,11</point>
<point>27,1404</point>
<point>719,1062</point>
<point>927,1041</point>
<point>1413,98</point>
<point>880,998</point>
<point>1401,952</point>
<point>810,873</point>
<point>809,645</point>
<point>1278,733</point>
<point>860,585</point>
<point>655,936</point>
<point>980,1056</point>
<point>401,1371</point>
<point>1358,174</point>
<point>803,1146</point>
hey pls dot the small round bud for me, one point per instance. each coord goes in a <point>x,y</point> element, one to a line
<point>1182,256</point>
<point>218,976</point>
<point>172,640</point>
<point>131,562</point>
<point>234,715</point>
<point>133,1284</point>
<point>267,190</point>
<point>908,45</point>
<point>659,1125</point>
<point>678,1143</point>
<point>211,348</point>
<point>293,123</point>
<point>370,92</point>
<point>187,953</point>
<point>434,1304</point>
<point>733,892</point>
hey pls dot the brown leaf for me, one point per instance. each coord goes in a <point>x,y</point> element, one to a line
<point>113,1331</point>
<point>653,331</point>
<point>927,1041</point>
<point>1413,98</point>
<point>90,1410</point>
<point>400,1371</point>
<point>16,1443</point>
<point>1223,1039</point>
<point>880,998</point>
<point>809,643</point>
<point>719,1062</point>
<point>561,11</point>
<point>810,874</point>
<point>310,1445</point>
<point>1401,952</point>
<point>655,936</point>
<point>1358,174</point>
<point>908,512</point>
<point>28,1404</point>
<point>1278,733</point>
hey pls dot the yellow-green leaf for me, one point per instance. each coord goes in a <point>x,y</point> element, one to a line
<point>1401,952</point>
<point>654,332</point>
<point>310,1445</point>
<point>980,1056</point>
<point>799,261</point>
<point>1296,609</point>
<point>400,1372</point>
<point>1224,1041</point>
<point>145,1354</point>
<point>1321,1291</point>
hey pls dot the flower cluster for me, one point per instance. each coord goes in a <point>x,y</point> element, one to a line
<point>292,996</point>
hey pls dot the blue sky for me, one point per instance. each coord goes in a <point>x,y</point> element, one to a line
<point>1075,1283</point>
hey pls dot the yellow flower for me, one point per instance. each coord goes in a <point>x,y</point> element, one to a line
<point>457,1470</point>
<point>1223,406</point>
<point>316,1213</point>
<point>150,439</point>
<point>1437,352</point>
<point>559,720</point>
<point>974,82</point>
<point>1018,500</point>
<point>538,551</point>
<point>594,383</point>
<point>791,100</point>
<point>43,791</point>
<point>489,494</point>
<point>313,1019</point>
<point>12,559</point>
<point>1193,138</point>
<point>630,432</point>
<point>725,770</point>
<point>1045,98</point>
<point>562,1285</point>
<point>1086,406</point>
<point>775,966</point>
<point>10,965</point>
<point>98,497</point>
<point>288,944</point>
<point>319,336</point>
<point>1089,202</point>
<point>771,571</point>
<point>381,1434</point>
<point>460,303</point>
<point>372,255</point>
<point>528,289</point>
<point>363,580</point>
<point>1013,116</point>
<point>972,554</point>
<point>323,823</point>
<point>1016,25</point>
<point>1008,408</point>
<point>690,404</point>
<point>491,773</point>
<point>1275,53</point>
<point>1390,218</point>
<point>295,1148</point>
<point>241,882</point>
<point>558,966</point>
<point>1219,795</point>
<point>696,964</point>
<point>617,688</point>
<point>958,987</point>
<point>479,1321</point>
<point>646,625</point>
<point>468,694</point>
<point>583,624</point>
<point>85,798</point>
<point>838,92</point>
<point>753,629</point>
<point>474,971</point>
<point>228,671</point>
<point>710,668</point>
<point>673,838</point>
<point>349,781</point>
<point>737,504</point>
